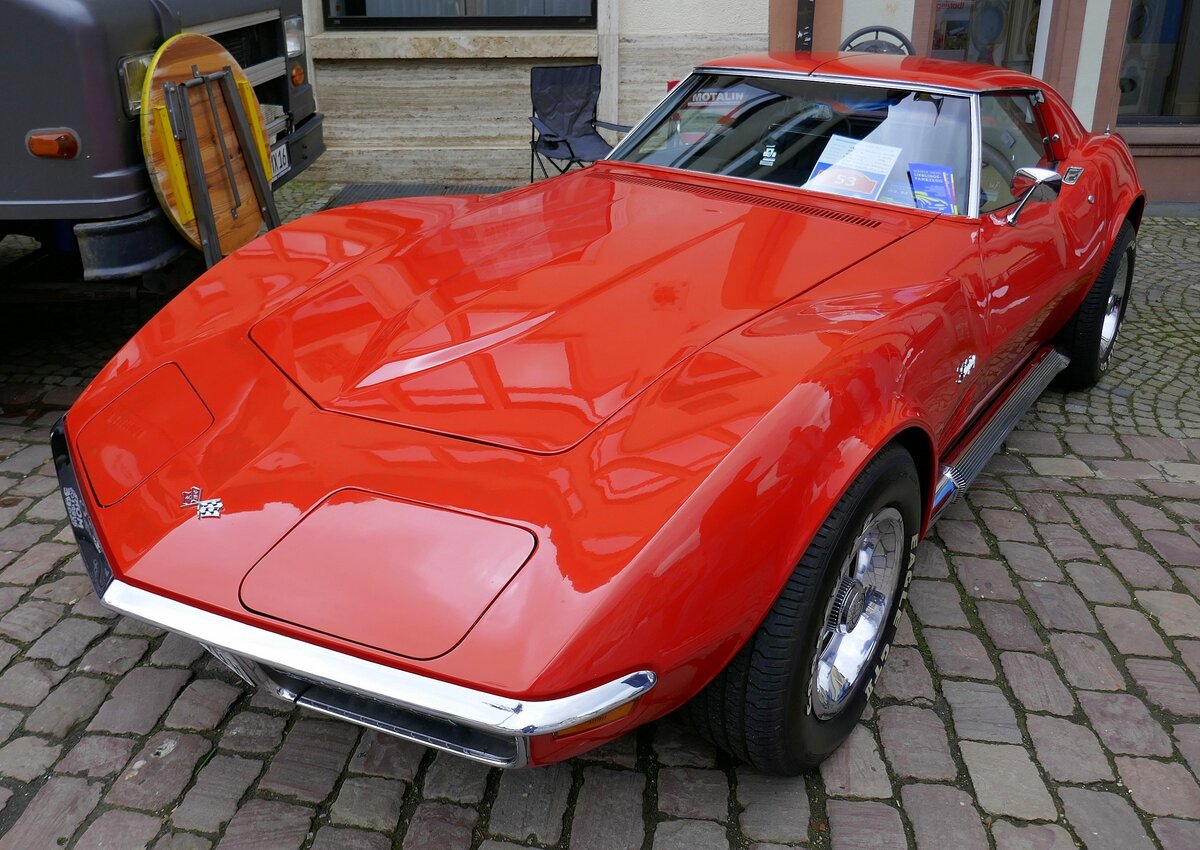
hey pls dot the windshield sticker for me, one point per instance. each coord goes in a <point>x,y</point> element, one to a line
<point>853,168</point>
<point>933,187</point>
<point>724,97</point>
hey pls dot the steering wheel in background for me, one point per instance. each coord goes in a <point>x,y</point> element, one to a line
<point>876,44</point>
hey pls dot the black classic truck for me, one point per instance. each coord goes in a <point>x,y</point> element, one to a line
<point>72,174</point>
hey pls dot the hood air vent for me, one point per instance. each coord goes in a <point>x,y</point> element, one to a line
<point>741,198</point>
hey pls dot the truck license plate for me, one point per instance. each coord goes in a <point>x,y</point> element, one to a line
<point>280,163</point>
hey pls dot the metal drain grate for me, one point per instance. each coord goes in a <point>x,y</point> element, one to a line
<point>357,193</point>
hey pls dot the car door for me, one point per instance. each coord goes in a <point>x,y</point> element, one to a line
<point>1026,266</point>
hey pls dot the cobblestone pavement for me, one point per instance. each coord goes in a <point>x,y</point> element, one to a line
<point>1043,693</point>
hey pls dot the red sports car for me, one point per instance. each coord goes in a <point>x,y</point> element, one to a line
<point>510,475</point>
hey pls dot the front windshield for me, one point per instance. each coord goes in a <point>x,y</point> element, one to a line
<point>893,145</point>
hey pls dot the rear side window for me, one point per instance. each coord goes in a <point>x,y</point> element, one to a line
<point>1011,139</point>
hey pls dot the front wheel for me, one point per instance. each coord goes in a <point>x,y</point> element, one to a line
<point>1091,335</point>
<point>797,688</point>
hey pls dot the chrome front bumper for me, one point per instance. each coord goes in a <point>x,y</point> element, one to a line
<point>485,727</point>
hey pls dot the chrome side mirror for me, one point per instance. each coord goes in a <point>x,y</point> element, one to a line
<point>1040,184</point>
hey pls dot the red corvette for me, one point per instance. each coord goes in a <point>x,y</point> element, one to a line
<point>510,475</point>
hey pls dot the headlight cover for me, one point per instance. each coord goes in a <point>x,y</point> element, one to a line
<point>132,71</point>
<point>293,34</point>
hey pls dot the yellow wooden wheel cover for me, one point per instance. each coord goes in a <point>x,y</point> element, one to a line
<point>164,155</point>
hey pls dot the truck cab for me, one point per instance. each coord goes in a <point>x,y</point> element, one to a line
<point>72,173</point>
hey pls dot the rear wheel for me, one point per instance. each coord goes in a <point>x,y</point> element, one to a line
<point>795,691</point>
<point>1091,334</point>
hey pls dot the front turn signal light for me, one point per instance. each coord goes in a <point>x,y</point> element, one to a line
<point>610,716</point>
<point>298,75</point>
<point>53,144</point>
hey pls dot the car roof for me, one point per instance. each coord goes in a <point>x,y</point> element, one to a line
<point>916,70</point>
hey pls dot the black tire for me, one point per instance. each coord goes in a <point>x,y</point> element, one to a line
<point>1081,339</point>
<point>758,708</point>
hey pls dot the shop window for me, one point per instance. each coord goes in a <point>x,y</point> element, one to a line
<point>994,32</point>
<point>1160,72</point>
<point>459,14</point>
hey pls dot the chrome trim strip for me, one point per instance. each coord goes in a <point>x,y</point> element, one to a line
<point>489,712</point>
<point>227,24</point>
<point>853,80</point>
<point>976,158</point>
<point>268,70</point>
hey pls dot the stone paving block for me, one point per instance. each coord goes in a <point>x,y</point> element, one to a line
<point>1034,443</point>
<point>97,756</point>
<point>1059,606</point>
<point>1009,627</point>
<point>1098,584</point>
<point>22,535</point>
<point>1008,525</point>
<point>1130,632</point>
<point>905,677</point>
<point>688,792</point>
<point>212,800</point>
<point>139,700</point>
<point>1094,445</point>
<point>267,825</point>
<point>914,740</point>
<point>1124,724</point>
<point>935,603</point>
<point>1032,563</point>
<point>1042,507</point>
<point>983,578</point>
<point>66,641</point>
<point>1145,517</point>
<point>621,752</point>
<point>1103,820</point>
<point>377,754</point>
<point>1086,662</point>
<point>30,620</point>
<point>943,817</point>
<point>1036,683</point>
<point>1177,834</point>
<point>158,773</point>
<point>255,732</point>
<point>369,802</point>
<point>1140,569</point>
<point>25,759</point>
<point>608,813</point>
<point>1102,525</point>
<point>343,838</point>
<point>1061,467</point>
<point>1007,782</point>
<point>176,651</point>
<point>1166,685</point>
<point>10,719</point>
<point>313,755</point>
<point>930,563</point>
<point>1038,836</point>
<point>1126,470</point>
<point>1067,751</point>
<point>71,703</point>
<point>678,747</point>
<point>856,825</point>
<point>1159,788</point>
<point>65,591</point>
<point>457,779</point>
<point>126,830</point>
<point>1177,614</point>
<point>957,653</point>
<point>26,683</point>
<point>855,768</point>
<point>962,536</point>
<point>440,826</point>
<point>1155,448</point>
<point>690,835</point>
<point>1189,651</point>
<point>532,803</point>
<point>35,562</point>
<point>1176,549</point>
<point>1066,543</point>
<point>981,712</point>
<point>774,809</point>
<point>202,705</point>
<point>53,815</point>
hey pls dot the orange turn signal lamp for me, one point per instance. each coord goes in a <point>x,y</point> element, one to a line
<point>613,714</point>
<point>298,74</point>
<point>53,144</point>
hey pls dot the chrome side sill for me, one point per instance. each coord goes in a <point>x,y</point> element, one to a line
<point>355,677</point>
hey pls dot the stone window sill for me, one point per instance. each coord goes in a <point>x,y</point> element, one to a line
<point>491,44</point>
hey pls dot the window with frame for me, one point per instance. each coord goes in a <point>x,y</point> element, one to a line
<point>460,14</point>
<point>1160,71</point>
<point>1011,137</point>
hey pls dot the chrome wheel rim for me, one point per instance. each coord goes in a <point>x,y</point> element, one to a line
<point>857,613</point>
<point>1115,309</point>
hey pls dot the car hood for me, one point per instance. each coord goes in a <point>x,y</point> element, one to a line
<point>535,316</point>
